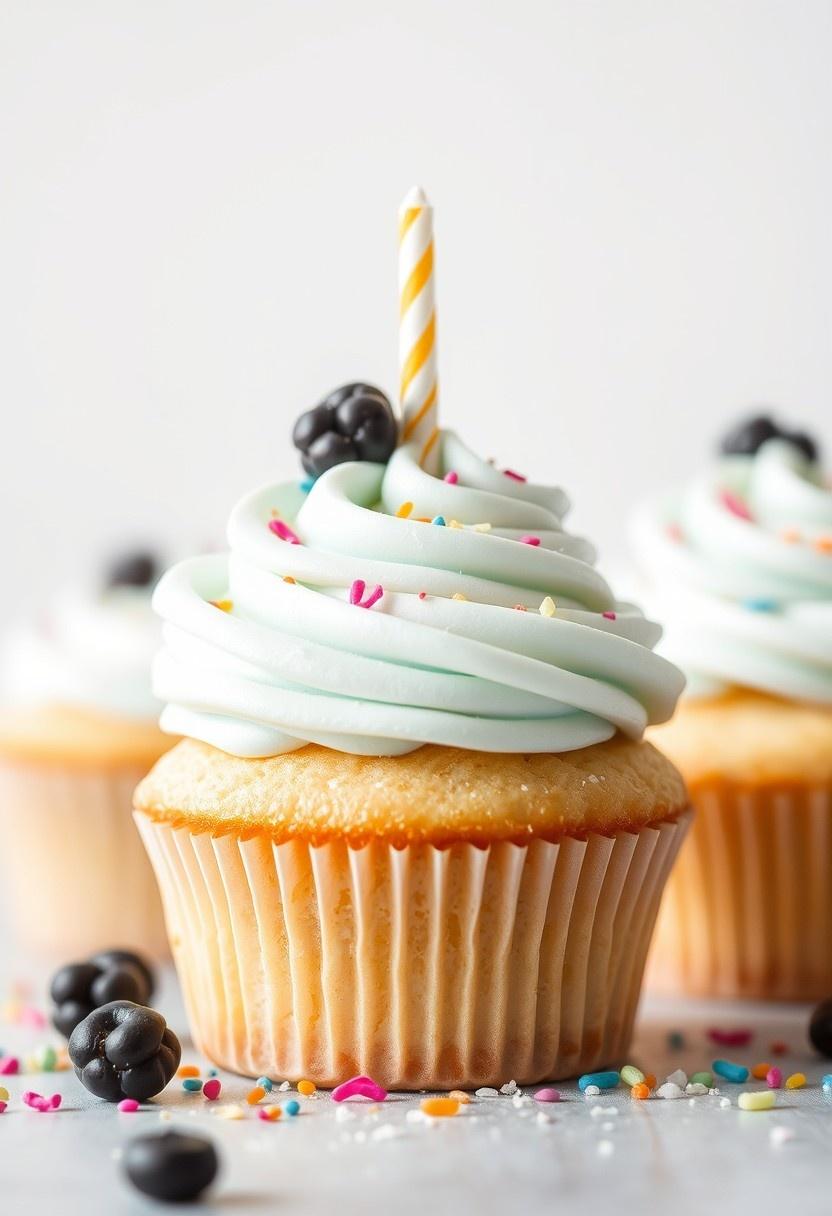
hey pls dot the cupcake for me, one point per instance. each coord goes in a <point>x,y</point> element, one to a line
<point>740,564</point>
<point>78,729</point>
<point>413,830</point>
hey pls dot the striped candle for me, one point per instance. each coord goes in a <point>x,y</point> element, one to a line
<point>417,328</point>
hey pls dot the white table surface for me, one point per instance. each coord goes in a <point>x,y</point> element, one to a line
<point>495,1157</point>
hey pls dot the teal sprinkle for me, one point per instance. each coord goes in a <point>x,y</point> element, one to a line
<point>737,1073</point>
<point>192,1084</point>
<point>265,1083</point>
<point>307,484</point>
<point>212,1072</point>
<point>440,520</point>
<point>604,1080</point>
<point>761,605</point>
<point>292,1107</point>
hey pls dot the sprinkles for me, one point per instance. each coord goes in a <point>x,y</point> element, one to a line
<point>530,540</point>
<point>283,531</point>
<point>514,476</point>
<point>357,592</point>
<point>451,478</point>
<point>735,505</point>
<point>404,510</point>
<point>547,608</point>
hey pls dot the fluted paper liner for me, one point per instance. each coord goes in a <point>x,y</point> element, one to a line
<point>748,908</point>
<point>423,967</point>
<point>76,877</point>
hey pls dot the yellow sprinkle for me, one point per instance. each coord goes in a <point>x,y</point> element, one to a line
<point>460,1096</point>
<point>547,608</point>
<point>454,523</point>
<point>457,595</point>
<point>796,1081</point>
<point>255,1095</point>
<point>482,527</point>
<point>307,1088</point>
<point>762,1099</point>
<point>230,1112</point>
<point>440,1107</point>
<point>287,578</point>
<point>404,510</point>
<point>4,1094</point>
<point>223,605</point>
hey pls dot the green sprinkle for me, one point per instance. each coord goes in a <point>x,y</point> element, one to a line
<point>703,1078</point>
<point>192,1084</point>
<point>48,1059</point>
<point>631,1075</point>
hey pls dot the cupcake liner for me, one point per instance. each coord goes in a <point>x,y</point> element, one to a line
<point>76,877</point>
<point>424,967</point>
<point>748,909</point>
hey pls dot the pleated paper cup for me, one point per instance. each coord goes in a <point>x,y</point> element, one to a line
<point>424,967</point>
<point>748,909</point>
<point>76,877</point>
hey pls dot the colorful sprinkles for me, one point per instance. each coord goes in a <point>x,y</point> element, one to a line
<point>283,531</point>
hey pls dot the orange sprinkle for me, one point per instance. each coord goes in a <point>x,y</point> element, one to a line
<point>640,1091</point>
<point>223,605</point>
<point>796,1081</point>
<point>255,1095</point>
<point>423,519</point>
<point>287,578</point>
<point>187,1070</point>
<point>760,1071</point>
<point>790,535</point>
<point>460,1096</point>
<point>440,1107</point>
<point>404,510</point>
<point>823,544</point>
<point>650,1081</point>
<point>307,1088</point>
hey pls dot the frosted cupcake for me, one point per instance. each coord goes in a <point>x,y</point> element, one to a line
<point>741,565</point>
<point>413,831</point>
<point>78,729</point>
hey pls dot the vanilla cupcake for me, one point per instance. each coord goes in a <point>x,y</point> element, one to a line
<point>414,830</point>
<point>78,729</point>
<point>740,563</point>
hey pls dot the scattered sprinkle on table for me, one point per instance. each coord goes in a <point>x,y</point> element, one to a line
<point>187,1070</point>
<point>439,1108</point>
<point>292,1107</point>
<point>796,1081</point>
<point>128,1106</point>
<point>359,1087</point>
<point>255,1095</point>
<point>307,1088</point>
<point>192,1085</point>
<point>736,1073</point>
<point>270,1114</point>
<point>547,1095</point>
<point>630,1075</point>
<point>39,1103</point>
<point>460,1096</point>
<point>212,1089</point>
<point>603,1080</point>
<point>762,1099</point>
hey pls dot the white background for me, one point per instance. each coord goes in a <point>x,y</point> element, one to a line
<point>197,240</point>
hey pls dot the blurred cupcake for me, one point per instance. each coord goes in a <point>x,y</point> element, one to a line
<point>740,563</point>
<point>78,729</point>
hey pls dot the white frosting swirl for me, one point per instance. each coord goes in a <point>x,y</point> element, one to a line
<point>741,565</point>
<point>296,662</point>
<point>90,649</point>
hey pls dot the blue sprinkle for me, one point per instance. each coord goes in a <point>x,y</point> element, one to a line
<point>826,1081</point>
<point>761,605</point>
<point>307,484</point>
<point>192,1084</point>
<point>266,1084</point>
<point>292,1107</point>
<point>737,1073</point>
<point>212,1072</point>
<point>604,1080</point>
<point>439,519</point>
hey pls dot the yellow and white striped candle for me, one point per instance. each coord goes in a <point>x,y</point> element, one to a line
<point>417,328</point>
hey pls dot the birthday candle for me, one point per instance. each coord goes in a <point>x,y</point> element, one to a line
<point>417,328</point>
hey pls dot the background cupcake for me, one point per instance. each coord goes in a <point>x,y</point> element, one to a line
<point>78,729</point>
<point>740,563</point>
<point>414,831</point>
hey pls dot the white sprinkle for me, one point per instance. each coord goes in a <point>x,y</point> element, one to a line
<point>592,1091</point>
<point>679,1077</point>
<point>416,1116</point>
<point>283,1086</point>
<point>713,1093</point>
<point>387,1131</point>
<point>691,1101</point>
<point>520,1100</point>
<point>669,1090</point>
<point>509,1089</point>
<point>724,1103</point>
<point>596,1111</point>
<point>233,1111</point>
<point>543,1118</point>
<point>343,1113</point>
<point>606,1148</point>
<point>487,1092</point>
<point>693,1087</point>
<point>780,1134</point>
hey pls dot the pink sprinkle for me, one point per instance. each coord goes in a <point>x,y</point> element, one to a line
<point>675,532</point>
<point>357,591</point>
<point>529,540</point>
<point>9,1066</point>
<point>359,1087</point>
<point>547,1095</point>
<point>283,531</point>
<point>30,1016</point>
<point>128,1105</point>
<point>3,1106</point>
<point>514,476</point>
<point>39,1103</point>
<point>451,478</point>
<point>423,595</point>
<point>608,616</point>
<point>735,505</point>
<point>774,1077</point>
<point>212,1089</point>
<point>731,1038</point>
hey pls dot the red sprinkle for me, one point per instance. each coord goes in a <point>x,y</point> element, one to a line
<point>212,1089</point>
<point>779,1048</point>
<point>357,593</point>
<point>731,1038</point>
<point>451,478</point>
<point>735,505</point>
<point>530,540</point>
<point>423,595</point>
<point>514,476</point>
<point>39,1103</point>
<point>608,616</point>
<point>283,531</point>
<point>9,1066</point>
